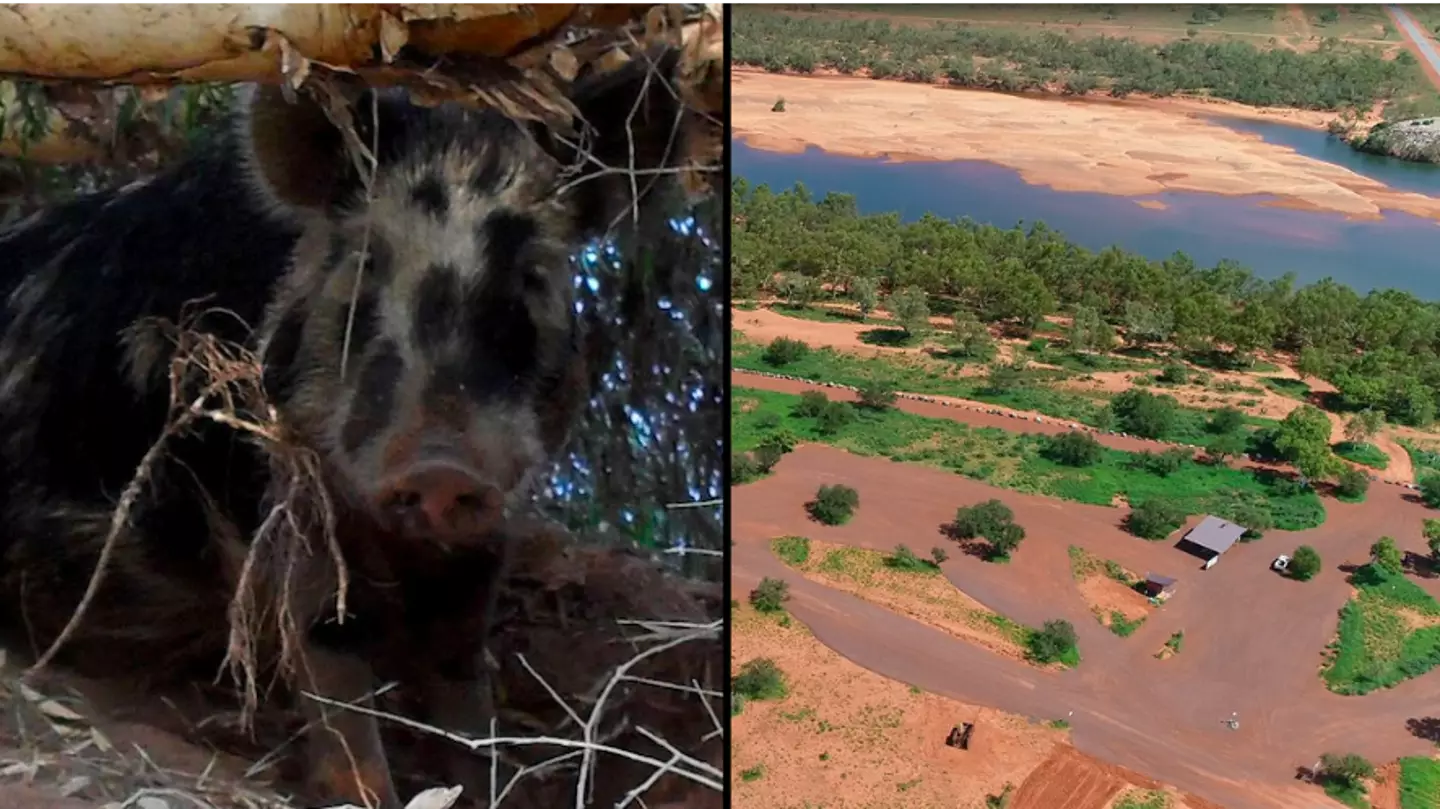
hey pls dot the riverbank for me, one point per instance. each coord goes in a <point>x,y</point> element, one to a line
<point>1132,147</point>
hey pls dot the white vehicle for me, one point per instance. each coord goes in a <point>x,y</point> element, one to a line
<point>1281,562</point>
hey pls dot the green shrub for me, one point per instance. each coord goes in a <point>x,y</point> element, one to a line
<point>1145,414</point>
<point>1174,374</point>
<point>1155,518</point>
<point>1074,448</point>
<point>1226,420</point>
<point>939,555</point>
<point>760,679</point>
<point>743,468</point>
<point>770,595</point>
<point>1430,490</point>
<point>834,417</point>
<point>779,105</point>
<point>1304,563</point>
<point>1387,556</point>
<point>905,560</point>
<point>981,519</point>
<point>812,402</point>
<point>834,505</point>
<point>1352,484</point>
<point>782,351</point>
<point>1053,642</point>
<point>793,551</point>
<point>1161,464</point>
<point>877,394</point>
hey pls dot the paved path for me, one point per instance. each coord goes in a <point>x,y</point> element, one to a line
<point>1252,639</point>
<point>1420,42</point>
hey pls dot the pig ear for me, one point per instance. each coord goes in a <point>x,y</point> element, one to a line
<point>297,156</point>
<point>632,116</point>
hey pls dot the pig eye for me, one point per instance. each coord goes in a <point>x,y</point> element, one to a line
<point>535,279</point>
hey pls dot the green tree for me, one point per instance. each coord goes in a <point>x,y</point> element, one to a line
<point>770,595</point>
<point>799,290</point>
<point>1364,425</point>
<point>981,520</point>
<point>1226,445</point>
<point>910,309</point>
<point>1430,490</point>
<point>1303,438</point>
<point>1386,555</point>
<point>1003,377</point>
<point>834,417</point>
<point>877,394</point>
<point>1142,413</point>
<point>1352,484</point>
<point>1226,420</point>
<point>1349,769</point>
<point>1089,332</point>
<point>972,339</point>
<point>783,351</point>
<point>811,403</point>
<point>1074,448</point>
<point>1053,642</point>
<point>834,505</point>
<point>1147,323</point>
<point>866,294</point>
<point>1155,518</point>
<point>1304,563</point>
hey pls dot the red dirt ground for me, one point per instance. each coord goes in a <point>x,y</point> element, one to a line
<point>1253,641</point>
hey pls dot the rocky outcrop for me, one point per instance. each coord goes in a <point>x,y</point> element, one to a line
<point>1417,139</point>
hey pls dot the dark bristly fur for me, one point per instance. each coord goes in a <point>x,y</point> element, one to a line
<point>448,283</point>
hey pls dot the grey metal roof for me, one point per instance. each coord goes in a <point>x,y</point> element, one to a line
<point>1215,534</point>
<point>1156,578</point>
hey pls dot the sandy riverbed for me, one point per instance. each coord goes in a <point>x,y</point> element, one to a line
<point>1130,148</point>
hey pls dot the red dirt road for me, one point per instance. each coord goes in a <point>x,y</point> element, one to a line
<point>1253,641</point>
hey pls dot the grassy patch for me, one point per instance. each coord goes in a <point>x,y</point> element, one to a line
<point>1143,799</point>
<point>1389,632</point>
<point>1173,643</point>
<point>1122,626</point>
<point>874,576</point>
<point>753,773</point>
<point>916,373</point>
<point>1014,461</point>
<point>1420,457</point>
<point>1294,388</point>
<point>1363,454</point>
<point>793,551</point>
<point>1349,794</point>
<point>1419,783</point>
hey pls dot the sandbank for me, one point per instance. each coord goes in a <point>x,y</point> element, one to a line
<point>1127,148</point>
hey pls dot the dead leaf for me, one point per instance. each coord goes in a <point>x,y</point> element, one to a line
<point>151,802</point>
<point>394,35</point>
<point>74,786</point>
<point>100,740</point>
<point>30,694</point>
<point>435,798</point>
<point>24,768</point>
<point>564,63</point>
<point>55,710</point>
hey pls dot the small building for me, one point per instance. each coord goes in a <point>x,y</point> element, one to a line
<point>1158,587</point>
<point>1212,537</point>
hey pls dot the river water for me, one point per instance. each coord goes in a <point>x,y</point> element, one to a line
<point>1400,250</point>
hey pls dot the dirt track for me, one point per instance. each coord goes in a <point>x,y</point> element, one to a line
<point>1252,640</point>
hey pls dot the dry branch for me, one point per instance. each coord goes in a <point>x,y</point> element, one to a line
<point>513,57</point>
<point>142,43</point>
